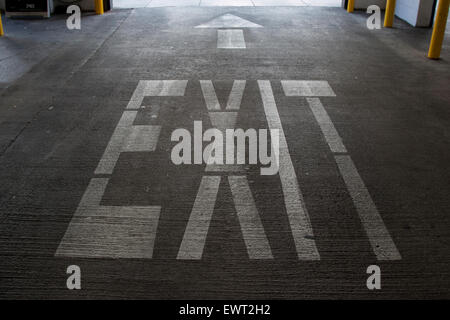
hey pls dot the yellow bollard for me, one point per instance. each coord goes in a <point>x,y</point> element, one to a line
<point>351,5</point>
<point>439,30</point>
<point>99,7</point>
<point>1,26</point>
<point>389,14</point>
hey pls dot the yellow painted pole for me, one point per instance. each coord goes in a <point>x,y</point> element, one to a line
<point>99,7</point>
<point>439,30</point>
<point>351,5</point>
<point>389,15</point>
<point>1,26</point>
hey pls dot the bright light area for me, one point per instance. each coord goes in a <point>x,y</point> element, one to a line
<point>250,3</point>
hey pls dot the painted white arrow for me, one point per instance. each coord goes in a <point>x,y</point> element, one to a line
<point>229,21</point>
<point>229,38</point>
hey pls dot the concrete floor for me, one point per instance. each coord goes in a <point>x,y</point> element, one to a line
<point>390,108</point>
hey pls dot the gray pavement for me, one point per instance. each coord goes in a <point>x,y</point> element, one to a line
<point>87,178</point>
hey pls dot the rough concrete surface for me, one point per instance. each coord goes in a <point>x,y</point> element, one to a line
<point>390,107</point>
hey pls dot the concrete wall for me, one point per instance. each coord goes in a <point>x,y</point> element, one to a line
<point>87,5</point>
<point>364,4</point>
<point>416,12</point>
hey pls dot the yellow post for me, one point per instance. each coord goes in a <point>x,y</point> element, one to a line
<point>1,26</point>
<point>439,30</point>
<point>389,15</point>
<point>351,5</point>
<point>99,7</point>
